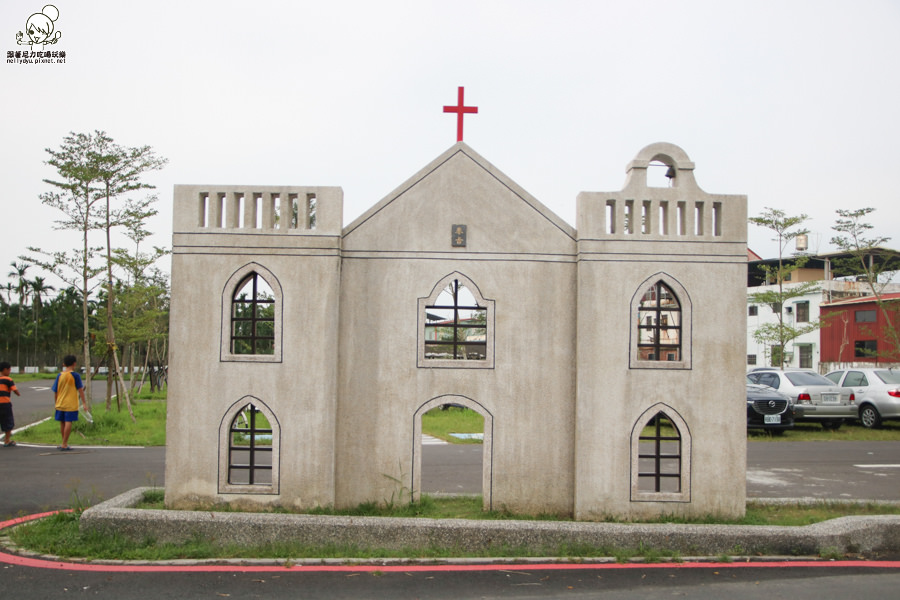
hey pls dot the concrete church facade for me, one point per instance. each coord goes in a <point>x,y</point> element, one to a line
<point>607,360</point>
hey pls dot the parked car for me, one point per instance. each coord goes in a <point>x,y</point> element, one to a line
<point>877,393</point>
<point>815,398</point>
<point>768,409</point>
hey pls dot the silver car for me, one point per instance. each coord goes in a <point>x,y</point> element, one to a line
<point>877,393</point>
<point>815,398</point>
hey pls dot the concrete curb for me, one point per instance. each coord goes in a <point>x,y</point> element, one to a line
<point>868,534</point>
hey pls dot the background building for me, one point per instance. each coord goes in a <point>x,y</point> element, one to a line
<point>835,279</point>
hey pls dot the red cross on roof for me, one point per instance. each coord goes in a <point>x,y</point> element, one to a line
<point>460,110</point>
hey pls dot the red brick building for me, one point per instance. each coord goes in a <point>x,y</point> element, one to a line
<point>854,332</point>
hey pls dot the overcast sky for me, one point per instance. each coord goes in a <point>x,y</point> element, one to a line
<point>793,103</point>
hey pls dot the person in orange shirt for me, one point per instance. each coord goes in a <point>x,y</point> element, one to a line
<point>7,387</point>
<point>66,390</point>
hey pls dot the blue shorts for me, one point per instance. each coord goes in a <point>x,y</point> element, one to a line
<point>66,415</point>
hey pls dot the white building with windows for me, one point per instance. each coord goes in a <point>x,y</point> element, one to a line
<point>804,351</point>
<point>305,352</point>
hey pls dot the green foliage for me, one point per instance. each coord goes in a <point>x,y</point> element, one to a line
<point>92,171</point>
<point>154,498</point>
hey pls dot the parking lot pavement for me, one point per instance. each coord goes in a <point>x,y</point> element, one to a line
<point>39,478</point>
<point>824,470</point>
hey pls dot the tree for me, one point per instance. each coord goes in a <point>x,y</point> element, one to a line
<point>119,171</point>
<point>38,289</point>
<point>142,311</point>
<point>22,287</point>
<point>77,198</point>
<point>777,335</point>
<point>877,264</point>
<point>93,171</point>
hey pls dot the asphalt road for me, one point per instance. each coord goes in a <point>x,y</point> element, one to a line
<point>824,470</point>
<point>40,478</point>
<point>513,582</point>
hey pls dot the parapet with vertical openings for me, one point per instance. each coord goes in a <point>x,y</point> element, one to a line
<point>680,212</point>
<point>287,210</point>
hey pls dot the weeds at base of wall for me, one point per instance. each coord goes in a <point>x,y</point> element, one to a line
<point>830,553</point>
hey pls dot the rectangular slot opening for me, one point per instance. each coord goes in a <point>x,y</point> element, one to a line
<point>311,209</point>
<point>276,207</point>
<point>295,210</point>
<point>717,219</point>
<point>680,211</point>
<point>220,206</point>
<point>664,217</point>
<point>204,210</point>
<point>698,218</point>
<point>610,216</point>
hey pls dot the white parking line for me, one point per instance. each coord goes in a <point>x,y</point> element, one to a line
<point>429,440</point>
<point>877,466</point>
<point>30,425</point>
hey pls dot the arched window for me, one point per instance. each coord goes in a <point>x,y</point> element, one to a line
<point>660,457</point>
<point>659,324</point>
<point>456,326</point>
<point>661,314</point>
<point>252,316</point>
<point>248,449</point>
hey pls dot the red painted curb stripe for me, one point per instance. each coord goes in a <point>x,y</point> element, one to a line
<point>22,561</point>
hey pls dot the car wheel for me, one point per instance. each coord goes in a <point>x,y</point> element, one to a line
<point>869,417</point>
<point>835,425</point>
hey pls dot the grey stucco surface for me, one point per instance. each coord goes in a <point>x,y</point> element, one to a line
<point>564,389</point>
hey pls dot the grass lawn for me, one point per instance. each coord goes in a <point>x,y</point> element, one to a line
<point>813,432</point>
<point>110,428</point>
<point>470,507</point>
<point>59,535</point>
<point>441,423</point>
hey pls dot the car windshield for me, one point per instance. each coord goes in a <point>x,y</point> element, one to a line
<point>889,376</point>
<point>804,378</point>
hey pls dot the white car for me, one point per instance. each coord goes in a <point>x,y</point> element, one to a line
<point>877,393</point>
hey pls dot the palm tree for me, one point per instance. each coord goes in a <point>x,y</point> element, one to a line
<point>22,284</point>
<point>38,287</point>
<point>22,287</point>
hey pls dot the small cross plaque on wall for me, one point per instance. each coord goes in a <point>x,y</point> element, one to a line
<point>458,236</point>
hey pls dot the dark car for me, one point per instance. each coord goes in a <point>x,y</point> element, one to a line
<point>768,409</point>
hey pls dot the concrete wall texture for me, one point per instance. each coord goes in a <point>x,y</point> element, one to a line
<point>564,385</point>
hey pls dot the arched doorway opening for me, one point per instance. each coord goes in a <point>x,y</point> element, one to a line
<point>486,447</point>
